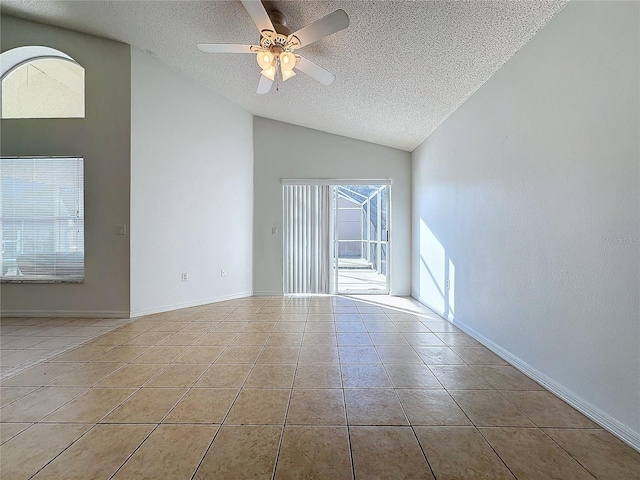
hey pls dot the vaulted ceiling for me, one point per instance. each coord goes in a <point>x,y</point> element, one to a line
<point>402,67</point>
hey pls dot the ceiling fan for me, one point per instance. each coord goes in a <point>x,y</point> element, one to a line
<point>276,50</point>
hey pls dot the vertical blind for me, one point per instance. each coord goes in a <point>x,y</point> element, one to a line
<point>307,245</point>
<point>42,219</point>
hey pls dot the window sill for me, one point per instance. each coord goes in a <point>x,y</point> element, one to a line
<point>26,279</point>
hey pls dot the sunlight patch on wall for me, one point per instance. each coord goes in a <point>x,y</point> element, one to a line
<point>437,273</point>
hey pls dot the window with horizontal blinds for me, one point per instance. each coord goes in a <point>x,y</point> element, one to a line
<point>42,219</point>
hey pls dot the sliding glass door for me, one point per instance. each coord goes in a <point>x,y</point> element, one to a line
<point>336,238</point>
<point>361,239</point>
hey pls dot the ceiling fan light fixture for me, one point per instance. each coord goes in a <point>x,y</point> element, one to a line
<point>287,61</point>
<point>270,73</point>
<point>287,74</point>
<point>265,60</point>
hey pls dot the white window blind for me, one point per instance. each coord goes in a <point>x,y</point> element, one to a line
<point>307,245</point>
<point>42,219</point>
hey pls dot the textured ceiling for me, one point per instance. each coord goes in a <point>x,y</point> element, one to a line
<point>402,67</point>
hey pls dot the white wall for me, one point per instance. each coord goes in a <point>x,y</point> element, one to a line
<point>527,200</point>
<point>191,191</point>
<point>102,138</point>
<point>287,151</point>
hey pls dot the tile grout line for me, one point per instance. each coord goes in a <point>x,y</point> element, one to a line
<point>232,403</point>
<point>450,396</point>
<point>286,414</point>
<point>152,430</point>
<point>158,423</point>
<point>64,450</point>
<point>542,429</point>
<point>496,452</point>
<point>481,434</point>
<point>424,454</point>
<point>172,408</point>
<point>18,433</point>
<point>83,362</point>
<point>395,391</point>
<point>284,425</point>
<point>58,352</point>
<point>206,451</point>
<point>346,412</point>
<point>87,388</point>
<point>136,390</point>
<point>134,450</point>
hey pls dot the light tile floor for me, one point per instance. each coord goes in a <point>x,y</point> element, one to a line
<point>293,388</point>
<point>28,341</point>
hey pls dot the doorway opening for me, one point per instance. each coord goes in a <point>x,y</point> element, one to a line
<point>361,239</point>
<point>336,237</point>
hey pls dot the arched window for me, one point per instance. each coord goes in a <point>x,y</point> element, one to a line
<point>41,82</point>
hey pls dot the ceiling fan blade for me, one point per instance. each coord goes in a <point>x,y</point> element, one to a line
<point>264,86</point>
<point>315,71</point>
<point>258,14</point>
<point>224,48</point>
<point>323,27</point>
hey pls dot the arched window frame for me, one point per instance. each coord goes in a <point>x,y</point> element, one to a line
<point>17,57</point>
<point>13,59</point>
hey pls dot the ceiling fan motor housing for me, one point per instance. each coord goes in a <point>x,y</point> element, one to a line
<point>279,22</point>
<point>281,40</point>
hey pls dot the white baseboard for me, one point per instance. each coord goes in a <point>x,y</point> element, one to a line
<point>400,293</point>
<point>266,293</point>
<point>65,313</point>
<point>606,421</point>
<point>450,318</point>
<point>196,303</point>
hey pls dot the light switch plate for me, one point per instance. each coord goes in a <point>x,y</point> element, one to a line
<point>121,229</point>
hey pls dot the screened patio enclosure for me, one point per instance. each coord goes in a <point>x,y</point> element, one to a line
<point>361,238</point>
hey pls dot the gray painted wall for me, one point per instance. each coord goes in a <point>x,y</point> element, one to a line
<point>314,154</point>
<point>528,200</point>
<point>103,139</point>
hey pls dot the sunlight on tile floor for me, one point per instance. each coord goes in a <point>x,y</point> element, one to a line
<point>285,388</point>
<point>28,341</point>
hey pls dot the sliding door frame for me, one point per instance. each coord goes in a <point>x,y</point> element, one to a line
<point>333,284</point>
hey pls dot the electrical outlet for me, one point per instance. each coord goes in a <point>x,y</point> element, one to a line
<point>184,277</point>
<point>223,273</point>
<point>448,284</point>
